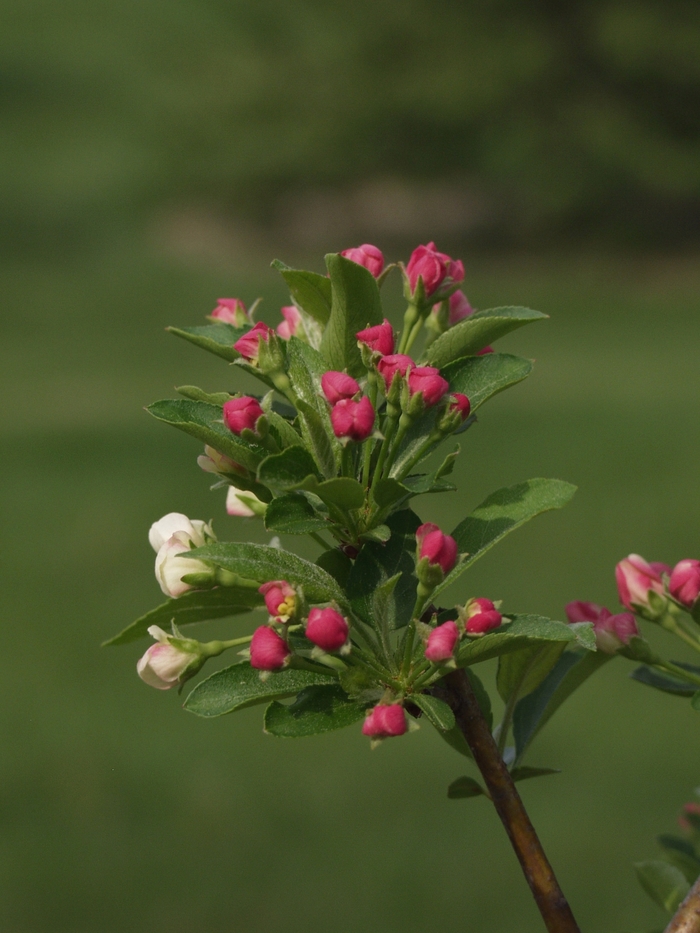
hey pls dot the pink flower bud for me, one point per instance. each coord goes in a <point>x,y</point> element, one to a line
<point>436,547</point>
<point>366,255</point>
<point>249,344</point>
<point>480,616</point>
<point>337,386</point>
<point>442,641</point>
<point>163,664</point>
<point>379,338</point>
<point>280,599</point>
<point>231,311</point>
<point>611,631</point>
<point>384,722</point>
<point>636,578</point>
<point>292,324</point>
<point>485,351</point>
<point>434,268</point>
<point>394,363</point>
<point>268,650</point>
<point>684,584</point>
<point>241,413</point>
<point>327,629</point>
<point>461,404</point>
<point>689,809</point>
<point>459,308</point>
<point>428,381</point>
<point>353,419</point>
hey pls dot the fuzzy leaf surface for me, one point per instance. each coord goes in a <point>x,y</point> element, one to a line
<point>311,291</point>
<point>293,515</point>
<point>315,710</point>
<point>523,632</point>
<point>477,331</point>
<point>521,672</point>
<point>482,377</point>
<point>305,367</point>
<point>356,304</point>
<point>217,338</point>
<point>288,469</point>
<point>437,712</point>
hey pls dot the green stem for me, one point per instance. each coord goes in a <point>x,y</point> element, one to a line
<point>391,425</point>
<point>405,422</point>
<point>319,540</point>
<point>415,330</point>
<point>431,439</point>
<point>408,647</point>
<point>426,676</point>
<point>672,668</point>
<point>409,320</point>
<point>301,664</point>
<point>210,649</point>
<point>673,626</point>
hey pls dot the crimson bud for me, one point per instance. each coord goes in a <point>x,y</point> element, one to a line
<point>249,344</point>
<point>436,547</point>
<point>366,255</point>
<point>480,616</point>
<point>268,651</point>
<point>280,599</point>
<point>231,311</point>
<point>354,420</point>
<point>337,386</point>
<point>461,404</point>
<point>428,381</point>
<point>327,629</point>
<point>434,268</point>
<point>241,413</point>
<point>379,338</point>
<point>385,721</point>
<point>394,363</point>
<point>684,584</point>
<point>442,641</point>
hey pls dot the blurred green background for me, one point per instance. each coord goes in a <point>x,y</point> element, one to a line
<point>155,156</point>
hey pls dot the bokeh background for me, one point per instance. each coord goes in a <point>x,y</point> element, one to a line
<point>156,155</point>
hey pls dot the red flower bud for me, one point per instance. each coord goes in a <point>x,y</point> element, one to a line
<point>337,386</point>
<point>280,599</point>
<point>436,546</point>
<point>611,631</point>
<point>461,404</point>
<point>249,344</point>
<point>268,651</point>
<point>485,351</point>
<point>391,364</point>
<point>366,255</point>
<point>327,629</point>
<point>480,616</point>
<point>231,311</point>
<point>684,584</point>
<point>383,722</point>
<point>379,338</point>
<point>428,381</point>
<point>434,268</point>
<point>442,641</point>
<point>353,419</point>
<point>290,326</point>
<point>241,413</point>
<point>636,578</point>
<point>459,308</point>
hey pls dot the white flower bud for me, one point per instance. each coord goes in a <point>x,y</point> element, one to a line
<point>161,531</point>
<point>164,663</point>
<point>171,567</point>
<point>243,503</point>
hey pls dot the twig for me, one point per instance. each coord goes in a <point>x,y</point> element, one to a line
<point>687,918</point>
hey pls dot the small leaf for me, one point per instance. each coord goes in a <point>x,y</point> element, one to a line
<point>288,469</point>
<point>482,377</point>
<point>337,564</point>
<point>664,682</point>
<point>199,395</point>
<point>664,883</point>
<point>311,291</point>
<point>523,773</point>
<point>356,304</point>
<point>477,331</point>
<point>525,631</point>
<point>437,712</point>
<point>293,514</point>
<point>283,432</point>
<point>343,492</point>
<point>465,787</point>
<point>680,852</point>
<point>305,367</point>
<point>695,702</point>
<point>217,338</point>
<point>240,685</point>
<point>389,492</point>
<point>380,533</point>
<point>482,696</point>
<point>521,672</point>
<point>315,710</point>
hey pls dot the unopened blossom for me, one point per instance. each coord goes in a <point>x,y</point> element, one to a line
<point>459,308</point>
<point>480,616</point>
<point>442,641</point>
<point>163,664</point>
<point>172,564</point>
<point>636,579</point>
<point>354,420</point>
<point>231,311</point>
<point>280,599</point>
<point>337,386</point>
<point>435,268</point>
<point>292,324</point>
<point>388,366</point>
<point>611,631</point>
<point>385,721</point>
<point>428,381</point>
<point>194,530</point>
<point>241,413</point>
<point>379,338</point>
<point>268,650</point>
<point>327,629</point>
<point>684,584</point>
<point>436,547</point>
<point>242,503</point>
<point>461,404</point>
<point>213,461</point>
<point>366,255</point>
<point>249,344</point>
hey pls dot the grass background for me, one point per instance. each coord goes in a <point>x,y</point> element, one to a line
<point>121,812</point>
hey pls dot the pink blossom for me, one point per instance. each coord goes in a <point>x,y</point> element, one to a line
<point>353,419</point>
<point>379,338</point>
<point>268,650</point>
<point>636,578</point>
<point>291,324</point>
<point>461,404</point>
<point>327,629</point>
<point>394,363</point>
<point>337,386</point>
<point>241,413</point>
<point>368,256</point>
<point>684,584</point>
<point>249,344</point>
<point>611,631</point>
<point>280,599</point>
<point>481,616</point>
<point>442,641</point>
<point>459,308</point>
<point>385,721</point>
<point>428,381</point>
<point>434,268</point>
<point>437,547</point>
<point>231,311</point>
<point>163,664</point>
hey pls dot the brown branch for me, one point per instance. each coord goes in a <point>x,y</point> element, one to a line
<point>539,875</point>
<point>687,918</point>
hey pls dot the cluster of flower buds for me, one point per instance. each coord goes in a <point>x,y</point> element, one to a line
<point>171,537</point>
<point>433,272</point>
<point>352,414</point>
<point>611,631</point>
<point>478,617</point>
<point>646,588</point>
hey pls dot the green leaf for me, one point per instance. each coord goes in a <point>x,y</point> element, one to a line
<point>535,710</point>
<point>217,338</point>
<point>356,304</point>
<point>195,606</point>
<point>523,773</point>
<point>377,563</point>
<point>680,852</point>
<point>380,533</point>
<point>482,696</point>
<point>240,685</point>
<point>424,483</point>
<point>389,492</point>
<point>437,712</point>
<point>465,787</point>
<point>199,395</point>
<point>502,512</point>
<point>205,422</point>
<point>521,672</point>
<point>343,492</point>
<point>305,367</point>
<point>283,432</point>
<point>262,563</point>
<point>477,331</point>
<point>663,682</point>
<point>315,710</point>
<point>695,702</point>
<point>288,469</point>
<point>311,291</point>
<point>525,631</point>
<point>337,564</point>
<point>293,514</point>
<point>664,883</point>
<point>481,377</point>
